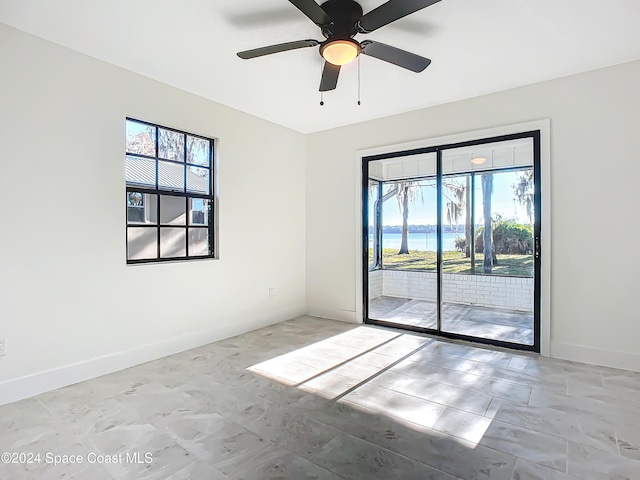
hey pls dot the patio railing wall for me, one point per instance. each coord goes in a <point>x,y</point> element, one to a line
<point>513,293</point>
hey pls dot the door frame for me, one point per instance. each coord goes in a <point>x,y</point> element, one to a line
<point>540,132</point>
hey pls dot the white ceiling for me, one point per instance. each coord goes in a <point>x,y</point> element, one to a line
<point>477,47</point>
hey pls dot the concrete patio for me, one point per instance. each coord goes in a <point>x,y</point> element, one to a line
<point>485,322</point>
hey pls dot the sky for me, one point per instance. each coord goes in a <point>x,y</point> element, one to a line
<point>423,210</point>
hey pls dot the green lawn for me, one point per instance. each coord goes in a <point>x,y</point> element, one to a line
<point>455,262</point>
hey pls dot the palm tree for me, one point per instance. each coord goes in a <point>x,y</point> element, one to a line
<point>406,193</point>
<point>487,237</point>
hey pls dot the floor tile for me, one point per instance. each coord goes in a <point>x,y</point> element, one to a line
<point>555,383</point>
<point>559,424</point>
<point>521,442</point>
<point>377,360</point>
<point>353,458</point>
<point>42,463</point>
<point>273,390</point>
<point>419,370</point>
<point>213,438</point>
<point>288,370</point>
<point>289,428</point>
<point>354,339</point>
<point>331,385</point>
<point>396,404</point>
<point>127,380</point>
<point>452,363</point>
<point>130,442</point>
<point>313,359</point>
<point>525,470</point>
<point>74,399</point>
<point>470,353</point>
<point>594,464</point>
<point>463,425</point>
<point>27,422</point>
<point>466,381</point>
<point>165,401</point>
<point>441,451</point>
<point>628,438</point>
<point>275,463</point>
<point>197,470</point>
<point>623,380</point>
<point>357,371</point>
<point>403,345</point>
<point>97,417</point>
<point>435,392</point>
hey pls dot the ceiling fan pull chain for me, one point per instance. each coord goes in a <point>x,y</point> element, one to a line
<point>321,92</point>
<point>358,79</point>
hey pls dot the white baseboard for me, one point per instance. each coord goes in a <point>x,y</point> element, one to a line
<point>35,384</point>
<point>30,385</point>
<point>596,356</point>
<point>348,316</point>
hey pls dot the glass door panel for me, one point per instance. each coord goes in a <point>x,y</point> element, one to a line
<point>487,275</point>
<point>458,254</point>
<point>403,283</point>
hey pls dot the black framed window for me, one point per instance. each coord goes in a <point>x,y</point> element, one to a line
<point>169,194</point>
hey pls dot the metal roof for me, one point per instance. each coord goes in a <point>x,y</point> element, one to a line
<point>142,171</point>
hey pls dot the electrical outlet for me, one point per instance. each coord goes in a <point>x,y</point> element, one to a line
<point>3,346</point>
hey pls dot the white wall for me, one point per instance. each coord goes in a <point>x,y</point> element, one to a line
<point>68,301</point>
<point>595,167</point>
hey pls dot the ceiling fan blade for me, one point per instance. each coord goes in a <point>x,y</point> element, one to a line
<point>394,55</point>
<point>329,79</point>
<point>314,11</point>
<point>281,47</point>
<point>390,12</point>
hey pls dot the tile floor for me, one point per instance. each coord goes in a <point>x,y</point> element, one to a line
<point>318,399</point>
<point>484,322</point>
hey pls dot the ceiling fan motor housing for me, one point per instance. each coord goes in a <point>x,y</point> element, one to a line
<point>345,15</point>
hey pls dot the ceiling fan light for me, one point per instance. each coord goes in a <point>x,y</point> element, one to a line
<point>340,52</point>
<point>478,160</point>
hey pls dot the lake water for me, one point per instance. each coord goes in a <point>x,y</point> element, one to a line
<point>420,241</point>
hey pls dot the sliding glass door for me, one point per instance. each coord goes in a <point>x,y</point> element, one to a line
<point>451,240</point>
<point>402,280</point>
<point>487,278</point>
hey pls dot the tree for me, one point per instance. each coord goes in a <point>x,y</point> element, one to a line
<point>457,201</point>
<point>171,145</point>
<point>142,142</point>
<point>405,195</point>
<point>487,191</point>
<point>523,191</point>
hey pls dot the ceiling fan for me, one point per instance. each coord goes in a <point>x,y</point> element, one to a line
<point>340,21</point>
